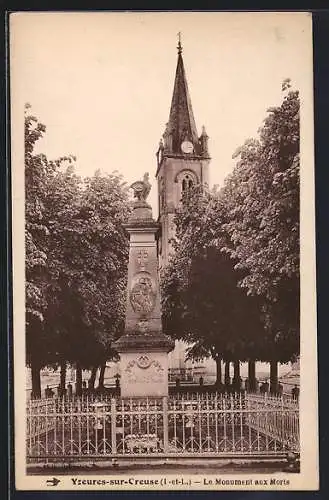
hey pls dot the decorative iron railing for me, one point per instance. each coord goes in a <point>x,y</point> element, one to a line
<point>240,425</point>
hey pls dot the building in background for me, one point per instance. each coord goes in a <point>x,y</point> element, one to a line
<point>182,162</point>
<point>182,159</point>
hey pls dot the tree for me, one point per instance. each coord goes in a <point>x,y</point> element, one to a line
<point>76,265</point>
<point>262,198</point>
<point>87,266</point>
<point>202,302</point>
<point>236,260</point>
<point>38,171</point>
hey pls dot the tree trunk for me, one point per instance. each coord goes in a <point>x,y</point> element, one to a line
<point>92,378</point>
<point>218,371</point>
<point>101,376</point>
<point>227,379</point>
<point>63,376</point>
<point>36,380</point>
<point>273,377</point>
<point>78,378</point>
<point>236,376</point>
<point>252,375</point>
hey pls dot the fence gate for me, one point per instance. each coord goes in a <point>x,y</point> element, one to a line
<point>213,425</point>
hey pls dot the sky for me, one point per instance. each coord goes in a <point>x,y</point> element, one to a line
<point>102,82</point>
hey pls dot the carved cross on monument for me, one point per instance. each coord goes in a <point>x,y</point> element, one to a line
<point>142,256</point>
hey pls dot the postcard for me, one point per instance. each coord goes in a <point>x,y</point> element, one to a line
<point>163,228</point>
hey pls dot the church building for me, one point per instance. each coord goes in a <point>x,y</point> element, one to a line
<point>182,162</point>
<point>182,158</point>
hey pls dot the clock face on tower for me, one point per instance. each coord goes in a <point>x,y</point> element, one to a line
<point>187,147</point>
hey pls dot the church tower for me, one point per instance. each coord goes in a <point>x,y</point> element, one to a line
<point>182,158</point>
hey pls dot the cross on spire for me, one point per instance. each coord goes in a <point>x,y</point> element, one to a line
<point>179,46</point>
<point>181,124</point>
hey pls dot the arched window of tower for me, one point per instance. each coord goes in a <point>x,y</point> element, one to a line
<point>186,181</point>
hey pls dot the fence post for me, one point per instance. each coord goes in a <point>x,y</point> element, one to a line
<point>165,424</point>
<point>113,426</point>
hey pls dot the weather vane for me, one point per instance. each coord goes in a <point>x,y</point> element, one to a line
<point>179,46</point>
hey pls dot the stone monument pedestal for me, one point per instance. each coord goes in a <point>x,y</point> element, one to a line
<point>143,348</point>
<point>144,372</point>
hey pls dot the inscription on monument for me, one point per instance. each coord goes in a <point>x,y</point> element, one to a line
<point>142,325</point>
<point>143,294</point>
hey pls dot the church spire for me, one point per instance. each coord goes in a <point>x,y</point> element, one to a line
<point>181,125</point>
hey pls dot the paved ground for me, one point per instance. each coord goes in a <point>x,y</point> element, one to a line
<point>165,467</point>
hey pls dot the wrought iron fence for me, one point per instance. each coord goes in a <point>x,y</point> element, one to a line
<point>240,425</point>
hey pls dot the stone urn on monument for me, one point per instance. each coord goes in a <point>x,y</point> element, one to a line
<point>143,348</point>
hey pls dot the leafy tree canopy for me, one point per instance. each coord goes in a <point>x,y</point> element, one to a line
<point>232,286</point>
<point>76,258</point>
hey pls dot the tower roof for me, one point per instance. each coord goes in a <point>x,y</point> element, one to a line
<point>181,125</point>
